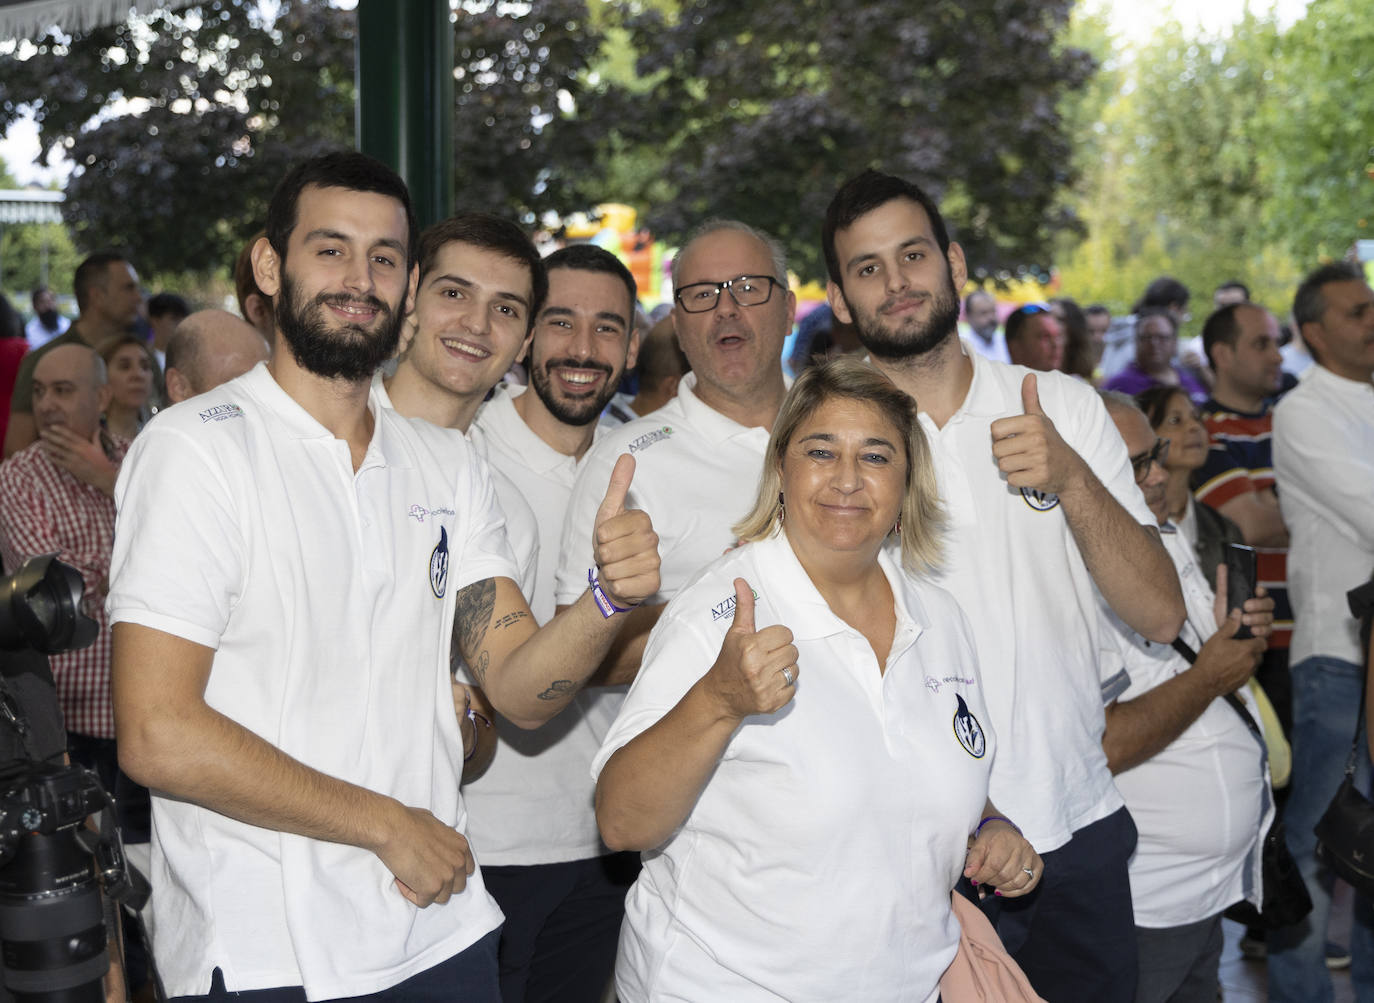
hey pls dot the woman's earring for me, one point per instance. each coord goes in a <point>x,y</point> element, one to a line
<point>898,528</point>
<point>782,508</point>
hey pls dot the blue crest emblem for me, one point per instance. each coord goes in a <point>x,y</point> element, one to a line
<point>438,565</point>
<point>968,731</point>
<point>1041,501</point>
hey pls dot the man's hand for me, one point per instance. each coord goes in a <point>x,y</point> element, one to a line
<point>756,671</point>
<point>84,459</point>
<point>1226,661</point>
<point>429,860</point>
<point>1030,451</point>
<point>626,546</point>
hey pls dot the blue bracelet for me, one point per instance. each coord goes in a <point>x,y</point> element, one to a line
<point>603,602</point>
<point>996,818</point>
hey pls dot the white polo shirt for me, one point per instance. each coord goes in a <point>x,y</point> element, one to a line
<point>1324,465</point>
<point>329,602</point>
<point>1202,804</point>
<point>818,861</point>
<point>522,531</point>
<point>1012,563</point>
<point>533,805</point>
<point>696,474</point>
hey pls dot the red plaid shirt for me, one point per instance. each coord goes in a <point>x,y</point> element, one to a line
<point>45,510</point>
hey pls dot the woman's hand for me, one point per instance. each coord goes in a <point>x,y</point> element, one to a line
<point>1000,857</point>
<point>756,672</point>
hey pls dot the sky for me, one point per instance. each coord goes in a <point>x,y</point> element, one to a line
<point>1133,21</point>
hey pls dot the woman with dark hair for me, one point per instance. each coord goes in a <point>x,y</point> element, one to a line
<point>1078,349</point>
<point>12,349</point>
<point>1174,417</point>
<point>802,754</point>
<point>129,365</point>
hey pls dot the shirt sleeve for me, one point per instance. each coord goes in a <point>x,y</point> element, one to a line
<point>676,656</point>
<point>1089,429</point>
<point>1317,455</point>
<point>180,555</point>
<point>486,552</point>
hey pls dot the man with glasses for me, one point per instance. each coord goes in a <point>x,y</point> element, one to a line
<point>698,457</point>
<point>1191,771</point>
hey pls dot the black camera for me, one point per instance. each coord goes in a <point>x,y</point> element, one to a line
<point>52,927</point>
<point>52,919</point>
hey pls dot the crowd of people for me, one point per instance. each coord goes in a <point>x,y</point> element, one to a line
<point>898,672</point>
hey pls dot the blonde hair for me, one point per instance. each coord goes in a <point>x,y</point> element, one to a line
<point>921,517</point>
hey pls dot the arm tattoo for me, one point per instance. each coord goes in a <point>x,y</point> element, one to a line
<point>509,618</point>
<point>559,688</point>
<point>471,617</point>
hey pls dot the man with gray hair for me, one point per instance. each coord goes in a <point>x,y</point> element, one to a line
<point>50,503</point>
<point>699,456</point>
<point>208,348</point>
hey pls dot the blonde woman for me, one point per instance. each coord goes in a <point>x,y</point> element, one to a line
<point>804,755</point>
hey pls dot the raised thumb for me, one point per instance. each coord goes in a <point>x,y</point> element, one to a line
<point>614,503</point>
<point>1030,395</point>
<point>744,606</point>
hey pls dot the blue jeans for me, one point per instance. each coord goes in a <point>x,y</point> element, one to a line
<point>1326,699</point>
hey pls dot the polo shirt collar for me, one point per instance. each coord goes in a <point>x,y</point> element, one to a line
<point>1340,384</point>
<point>499,415</point>
<point>799,606</point>
<point>296,421</point>
<point>705,420</point>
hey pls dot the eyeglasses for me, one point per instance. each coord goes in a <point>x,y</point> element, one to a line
<point>747,290</point>
<point>1141,464</point>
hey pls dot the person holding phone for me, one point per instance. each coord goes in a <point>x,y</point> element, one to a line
<point>804,755</point>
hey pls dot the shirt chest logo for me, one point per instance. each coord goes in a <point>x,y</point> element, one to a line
<point>221,412</point>
<point>968,731</point>
<point>649,438</point>
<point>1041,501</point>
<point>438,565</point>
<point>725,609</point>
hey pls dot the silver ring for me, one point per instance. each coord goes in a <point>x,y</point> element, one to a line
<point>790,679</point>
<point>1028,872</point>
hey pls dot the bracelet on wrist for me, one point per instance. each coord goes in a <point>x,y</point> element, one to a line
<point>603,602</point>
<point>996,818</point>
<point>473,717</point>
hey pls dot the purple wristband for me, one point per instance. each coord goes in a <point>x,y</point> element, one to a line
<point>603,601</point>
<point>996,818</point>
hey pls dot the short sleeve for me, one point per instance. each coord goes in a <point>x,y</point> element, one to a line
<point>486,551</point>
<point>179,553</point>
<point>676,656</point>
<point>1095,438</point>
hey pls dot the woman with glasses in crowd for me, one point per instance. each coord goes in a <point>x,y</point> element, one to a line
<point>804,755</point>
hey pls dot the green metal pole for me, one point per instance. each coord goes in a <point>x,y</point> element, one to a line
<point>405,97</point>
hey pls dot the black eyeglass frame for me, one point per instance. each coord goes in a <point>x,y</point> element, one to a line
<point>727,286</point>
<point>1158,453</point>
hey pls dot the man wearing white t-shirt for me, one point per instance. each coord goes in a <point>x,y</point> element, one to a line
<point>1191,769</point>
<point>1044,513</point>
<point>1324,471</point>
<point>481,283</point>
<point>699,456</point>
<point>532,820</point>
<point>283,628</point>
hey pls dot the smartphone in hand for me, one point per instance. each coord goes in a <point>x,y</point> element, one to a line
<point>1240,580</point>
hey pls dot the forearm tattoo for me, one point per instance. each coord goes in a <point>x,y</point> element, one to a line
<point>471,617</point>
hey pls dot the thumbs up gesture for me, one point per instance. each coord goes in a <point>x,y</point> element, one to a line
<point>756,672</point>
<point>624,542</point>
<point>1029,449</point>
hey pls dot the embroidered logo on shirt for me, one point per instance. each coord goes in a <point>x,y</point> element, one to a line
<point>221,412</point>
<point>418,512</point>
<point>968,731</point>
<point>438,565</point>
<point>725,610</point>
<point>649,438</point>
<point>934,684</point>
<point>1041,501</point>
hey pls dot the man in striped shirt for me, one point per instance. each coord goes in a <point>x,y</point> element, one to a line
<point>1241,342</point>
<point>55,499</point>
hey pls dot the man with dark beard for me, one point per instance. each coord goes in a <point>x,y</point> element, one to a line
<point>532,818</point>
<point>293,563</point>
<point>1043,513</point>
